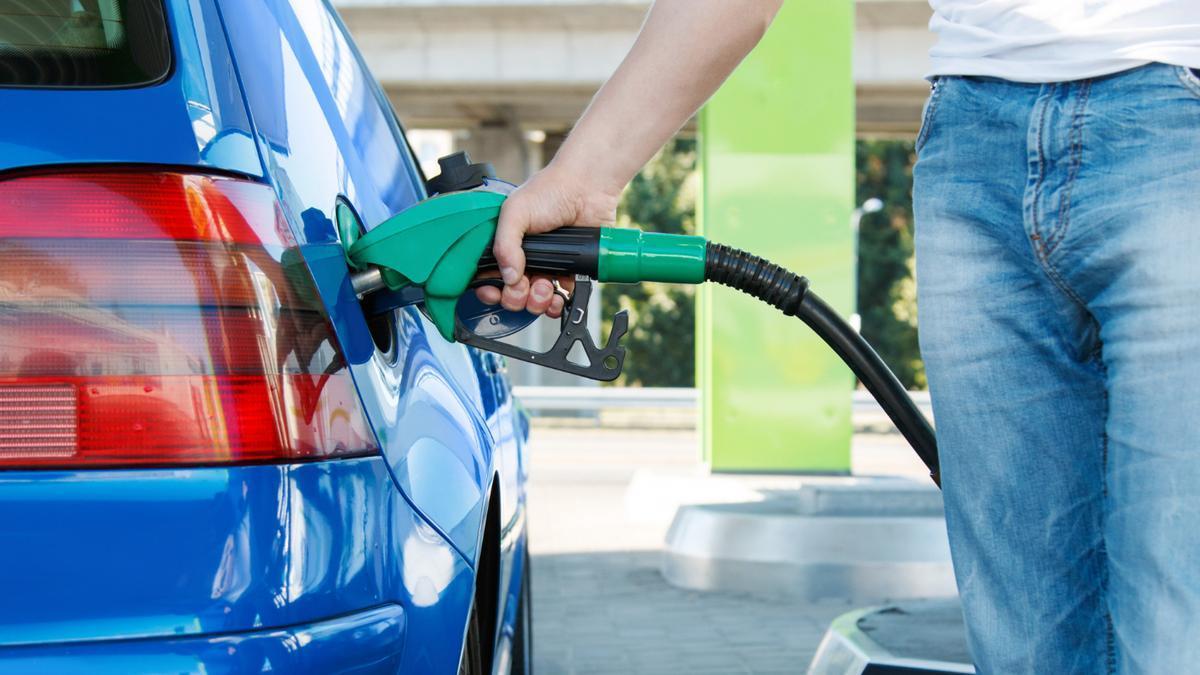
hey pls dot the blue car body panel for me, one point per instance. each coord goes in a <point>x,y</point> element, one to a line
<point>151,552</point>
<point>111,559</point>
<point>430,418</point>
<point>363,565</point>
<point>294,57</point>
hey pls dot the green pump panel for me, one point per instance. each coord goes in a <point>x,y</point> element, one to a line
<point>777,164</point>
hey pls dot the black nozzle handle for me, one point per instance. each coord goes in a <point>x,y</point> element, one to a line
<point>566,251</point>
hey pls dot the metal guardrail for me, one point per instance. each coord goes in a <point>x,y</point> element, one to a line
<point>864,403</point>
<point>602,398</point>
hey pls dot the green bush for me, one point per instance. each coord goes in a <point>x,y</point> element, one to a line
<point>887,297</point>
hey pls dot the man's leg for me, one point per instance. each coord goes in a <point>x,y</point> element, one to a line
<point>1132,250</point>
<point>1017,387</point>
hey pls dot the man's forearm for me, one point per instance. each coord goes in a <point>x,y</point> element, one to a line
<point>685,50</point>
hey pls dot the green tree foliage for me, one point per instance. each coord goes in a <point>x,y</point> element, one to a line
<point>661,340</point>
<point>887,298</point>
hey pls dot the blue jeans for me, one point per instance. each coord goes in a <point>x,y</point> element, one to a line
<point>1058,270</point>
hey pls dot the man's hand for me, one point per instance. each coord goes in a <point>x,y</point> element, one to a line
<point>552,198</point>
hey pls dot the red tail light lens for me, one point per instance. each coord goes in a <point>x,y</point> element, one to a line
<point>162,319</point>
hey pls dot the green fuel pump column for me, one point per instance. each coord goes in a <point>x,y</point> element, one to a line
<point>777,142</point>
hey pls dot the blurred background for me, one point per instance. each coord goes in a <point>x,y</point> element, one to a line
<point>716,508</point>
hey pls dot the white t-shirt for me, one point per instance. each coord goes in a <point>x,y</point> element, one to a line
<point>1061,40</point>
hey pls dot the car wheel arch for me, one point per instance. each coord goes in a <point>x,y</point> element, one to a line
<point>487,573</point>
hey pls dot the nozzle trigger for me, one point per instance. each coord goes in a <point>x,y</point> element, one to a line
<point>604,364</point>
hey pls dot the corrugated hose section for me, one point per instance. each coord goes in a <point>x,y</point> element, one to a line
<point>755,276</point>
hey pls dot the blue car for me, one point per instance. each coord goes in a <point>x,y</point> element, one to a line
<point>211,460</point>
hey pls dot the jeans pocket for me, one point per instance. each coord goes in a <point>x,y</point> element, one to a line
<point>935,91</point>
<point>1190,77</point>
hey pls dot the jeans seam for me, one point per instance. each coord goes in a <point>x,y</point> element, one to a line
<point>1110,640</point>
<point>1039,245</point>
<point>1035,206</point>
<point>1076,139</point>
<point>935,90</point>
<point>1189,78</point>
<point>1058,280</point>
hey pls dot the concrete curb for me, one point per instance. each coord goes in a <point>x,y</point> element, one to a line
<point>857,539</point>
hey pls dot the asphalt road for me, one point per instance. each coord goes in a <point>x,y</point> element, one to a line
<point>600,604</point>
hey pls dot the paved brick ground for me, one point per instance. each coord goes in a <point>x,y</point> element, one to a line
<point>600,605</point>
<point>613,613</point>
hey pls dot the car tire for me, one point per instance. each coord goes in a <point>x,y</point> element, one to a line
<point>522,660</point>
<point>471,662</point>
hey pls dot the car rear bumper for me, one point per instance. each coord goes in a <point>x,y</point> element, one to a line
<point>125,570</point>
<point>370,641</point>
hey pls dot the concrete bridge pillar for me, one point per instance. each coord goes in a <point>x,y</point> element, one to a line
<point>503,142</point>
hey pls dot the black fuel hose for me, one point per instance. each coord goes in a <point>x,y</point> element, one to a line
<point>789,293</point>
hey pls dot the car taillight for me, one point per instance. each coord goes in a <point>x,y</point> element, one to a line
<point>158,318</point>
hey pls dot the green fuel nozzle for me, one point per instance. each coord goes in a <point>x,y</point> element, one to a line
<point>435,246</point>
<point>443,243</point>
<point>432,254</point>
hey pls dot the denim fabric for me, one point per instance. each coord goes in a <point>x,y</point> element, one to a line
<point>1058,269</point>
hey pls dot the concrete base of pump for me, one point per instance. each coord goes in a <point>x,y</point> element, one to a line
<point>861,539</point>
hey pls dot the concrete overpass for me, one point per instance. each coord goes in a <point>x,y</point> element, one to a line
<point>535,63</point>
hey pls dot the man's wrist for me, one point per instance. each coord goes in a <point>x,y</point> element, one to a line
<point>586,170</point>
